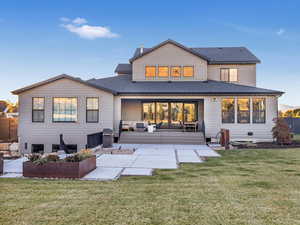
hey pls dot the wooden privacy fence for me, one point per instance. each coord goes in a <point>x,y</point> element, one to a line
<point>294,124</point>
<point>8,129</point>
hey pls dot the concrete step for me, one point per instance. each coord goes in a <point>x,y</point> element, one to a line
<point>162,138</point>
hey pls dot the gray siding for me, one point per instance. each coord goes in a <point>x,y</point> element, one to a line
<point>47,133</point>
<point>169,55</point>
<point>131,110</point>
<point>246,73</point>
<point>261,132</point>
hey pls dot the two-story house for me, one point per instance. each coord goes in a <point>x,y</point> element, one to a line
<point>169,85</point>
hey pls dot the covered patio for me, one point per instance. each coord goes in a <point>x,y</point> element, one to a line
<point>165,114</point>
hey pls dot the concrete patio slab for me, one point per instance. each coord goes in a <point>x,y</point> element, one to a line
<point>14,166</point>
<point>154,151</point>
<point>101,173</point>
<point>142,162</point>
<point>12,175</point>
<point>185,156</point>
<point>208,153</point>
<point>155,162</point>
<point>190,147</point>
<point>115,160</point>
<point>137,172</point>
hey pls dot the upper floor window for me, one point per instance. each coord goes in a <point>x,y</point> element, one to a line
<point>163,71</point>
<point>228,110</point>
<point>64,109</point>
<point>92,110</point>
<point>259,110</point>
<point>38,109</point>
<point>150,71</point>
<point>188,71</point>
<point>175,71</point>
<point>243,110</point>
<point>229,75</point>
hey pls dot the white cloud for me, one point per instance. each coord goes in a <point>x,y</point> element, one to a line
<point>64,19</point>
<point>90,32</point>
<point>280,32</point>
<point>80,27</point>
<point>79,21</point>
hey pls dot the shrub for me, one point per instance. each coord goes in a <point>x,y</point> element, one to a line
<point>33,157</point>
<point>82,155</point>
<point>41,159</point>
<point>281,131</point>
<point>52,158</point>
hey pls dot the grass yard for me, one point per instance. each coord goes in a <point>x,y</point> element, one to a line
<point>297,137</point>
<point>243,187</point>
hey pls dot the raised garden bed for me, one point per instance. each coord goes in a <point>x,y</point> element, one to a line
<point>1,163</point>
<point>59,169</point>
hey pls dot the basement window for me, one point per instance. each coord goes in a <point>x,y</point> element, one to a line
<point>37,148</point>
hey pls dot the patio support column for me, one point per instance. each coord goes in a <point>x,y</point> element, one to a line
<point>117,114</point>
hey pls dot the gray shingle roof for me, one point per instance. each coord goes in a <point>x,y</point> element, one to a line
<point>213,55</point>
<point>123,68</point>
<point>59,77</point>
<point>124,85</point>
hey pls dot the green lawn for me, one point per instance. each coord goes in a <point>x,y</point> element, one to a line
<point>297,137</point>
<point>251,187</point>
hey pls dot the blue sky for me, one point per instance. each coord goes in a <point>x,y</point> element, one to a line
<point>40,39</point>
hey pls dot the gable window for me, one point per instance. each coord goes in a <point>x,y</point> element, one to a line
<point>38,109</point>
<point>64,110</point>
<point>243,110</point>
<point>150,71</point>
<point>188,71</point>
<point>259,110</point>
<point>92,110</point>
<point>229,75</point>
<point>163,71</point>
<point>228,110</point>
<point>175,71</point>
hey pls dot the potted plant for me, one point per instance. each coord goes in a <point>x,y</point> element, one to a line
<point>51,166</point>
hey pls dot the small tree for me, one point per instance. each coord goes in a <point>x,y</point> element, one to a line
<point>281,131</point>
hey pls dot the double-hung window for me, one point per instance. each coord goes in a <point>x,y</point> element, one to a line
<point>228,110</point>
<point>229,75</point>
<point>175,71</point>
<point>259,110</point>
<point>64,109</point>
<point>38,109</point>
<point>163,71</point>
<point>92,110</point>
<point>150,71</point>
<point>188,71</point>
<point>243,110</point>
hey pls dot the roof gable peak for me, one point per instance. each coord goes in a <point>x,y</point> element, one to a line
<point>168,41</point>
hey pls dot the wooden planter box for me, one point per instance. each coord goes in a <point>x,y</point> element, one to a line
<point>59,169</point>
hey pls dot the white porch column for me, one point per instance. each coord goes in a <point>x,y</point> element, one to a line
<point>117,114</point>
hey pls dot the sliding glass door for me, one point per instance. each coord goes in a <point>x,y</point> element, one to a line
<point>189,112</point>
<point>149,112</point>
<point>176,114</point>
<point>169,114</point>
<point>162,114</point>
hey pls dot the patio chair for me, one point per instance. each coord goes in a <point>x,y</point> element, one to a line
<point>140,127</point>
<point>182,126</point>
<point>158,126</point>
